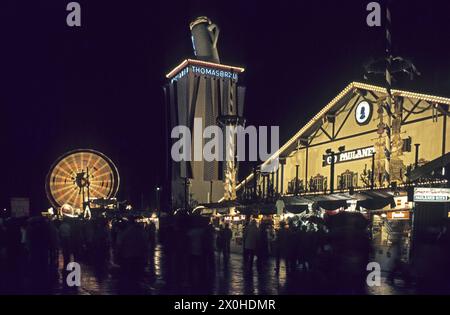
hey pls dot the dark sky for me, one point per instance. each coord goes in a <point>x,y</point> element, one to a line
<point>99,86</point>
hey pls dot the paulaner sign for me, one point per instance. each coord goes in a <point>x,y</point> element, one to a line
<point>350,155</point>
<point>423,194</point>
<point>206,71</point>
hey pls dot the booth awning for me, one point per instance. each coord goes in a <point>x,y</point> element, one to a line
<point>221,205</point>
<point>258,208</point>
<point>375,199</point>
<point>296,204</point>
<point>331,202</point>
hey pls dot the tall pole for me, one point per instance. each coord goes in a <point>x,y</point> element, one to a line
<point>416,160</point>
<point>255,183</point>
<point>263,186</point>
<point>372,173</point>
<point>444,131</point>
<point>296,179</point>
<point>332,173</point>
<point>282,162</point>
<point>88,183</point>
<point>388,83</point>
<point>278,178</point>
<point>211,191</point>
<point>388,55</point>
<point>230,164</point>
<point>306,167</point>
<point>185,193</point>
<point>272,184</point>
<point>82,202</point>
<point>158,201</point>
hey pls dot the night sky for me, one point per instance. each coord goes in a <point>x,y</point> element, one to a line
<point>100,86</point>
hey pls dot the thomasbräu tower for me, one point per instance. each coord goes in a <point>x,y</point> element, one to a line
<point>203,90</point>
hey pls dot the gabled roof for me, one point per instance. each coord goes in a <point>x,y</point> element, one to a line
<point>335,101</point>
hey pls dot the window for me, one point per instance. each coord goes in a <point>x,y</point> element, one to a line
<point>318,183</point>
<point>291,186</point>
<point>347,180</point>
<point>406,146</point>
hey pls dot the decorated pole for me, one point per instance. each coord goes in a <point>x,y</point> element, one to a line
<point>388,55</point>
<point>230,120</point>
<point>389,98</point>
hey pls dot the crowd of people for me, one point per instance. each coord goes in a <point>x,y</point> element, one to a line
<point>299,245</point>
<point>333,254</point>
<point>293,243</point>
<point>30,249</point>
<point>188,244</point>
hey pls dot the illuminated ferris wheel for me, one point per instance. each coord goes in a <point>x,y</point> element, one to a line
<point>79,176</point>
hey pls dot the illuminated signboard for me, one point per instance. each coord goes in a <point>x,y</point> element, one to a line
<point>351,155</point>
<point>199,70</point>
<point>398,215</point>
<point>422,194</point>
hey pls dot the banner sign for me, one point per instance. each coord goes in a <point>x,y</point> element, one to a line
<point>347,156</point>
<point>199,70</point>
<point>423,194</point>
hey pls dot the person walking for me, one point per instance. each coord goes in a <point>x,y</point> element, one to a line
<point>38,244</point>
<point>66,242</point>
<point>151,234</point>
<point>54,248</point>
<point>281,247</point>
<point>132,249</point>
<point>220,241</point>
<point>227,234</point>
<point>223,242</point>
<point>250,243</point>
<point>263,244</point>
<point>196,264</point>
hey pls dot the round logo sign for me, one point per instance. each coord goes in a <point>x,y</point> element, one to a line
<point>363,113</point>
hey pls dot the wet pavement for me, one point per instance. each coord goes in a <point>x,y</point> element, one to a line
<point>226,280</point>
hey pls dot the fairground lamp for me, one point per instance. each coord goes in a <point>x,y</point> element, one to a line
<point>297,164</point>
